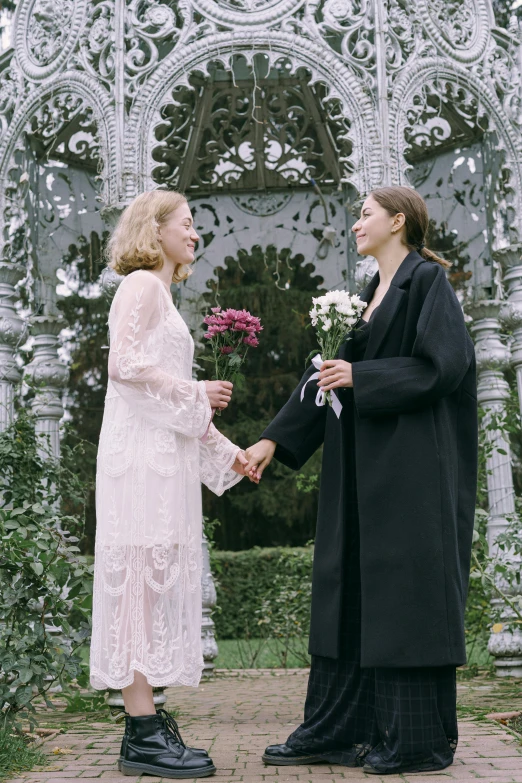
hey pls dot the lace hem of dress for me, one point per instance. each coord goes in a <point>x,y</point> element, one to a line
<point>100,681</point>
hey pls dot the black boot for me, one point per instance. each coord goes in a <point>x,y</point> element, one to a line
<point>151,745</point>
<point>174,730</point>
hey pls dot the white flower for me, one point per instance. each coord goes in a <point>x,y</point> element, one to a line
<point>327,323</point>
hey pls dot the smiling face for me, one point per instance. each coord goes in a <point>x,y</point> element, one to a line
<point>376,228</point>
<point>178,236</point>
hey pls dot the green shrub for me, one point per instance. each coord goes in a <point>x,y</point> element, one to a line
<point>255,585</point>
<point>45,582</point>
<point>263,595</point>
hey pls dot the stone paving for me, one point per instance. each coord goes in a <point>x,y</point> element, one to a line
<point>235,715</point>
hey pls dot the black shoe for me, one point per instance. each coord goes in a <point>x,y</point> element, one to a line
<point>284,756</point>
<point>174,730</point>
<point>151,745</point>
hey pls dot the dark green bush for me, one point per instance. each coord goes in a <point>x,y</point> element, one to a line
<point>245,579</point>
<point>265,594</point>
<point>45,582</point>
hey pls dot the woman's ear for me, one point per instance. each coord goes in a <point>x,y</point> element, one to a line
<point>398,222</point>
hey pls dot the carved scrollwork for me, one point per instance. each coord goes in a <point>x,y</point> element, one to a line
<point>262,204</point>
<point>65,124</point>
<point>11,93</point>
<point>503,69</point>
<point>401,36</point>
<point>460,28</point>
<point>151,26</point>
<point>348,26</point>
<point>251,139</point>
<point>253,13</point>
<point>46,33</point>
<point>97,42</point>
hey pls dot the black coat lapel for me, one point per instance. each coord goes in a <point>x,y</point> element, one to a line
<point>389,307</point>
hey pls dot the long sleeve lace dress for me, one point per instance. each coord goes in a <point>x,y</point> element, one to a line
<point>151,462</point>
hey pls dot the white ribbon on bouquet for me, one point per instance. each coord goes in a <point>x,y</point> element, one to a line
<point>320,400</point>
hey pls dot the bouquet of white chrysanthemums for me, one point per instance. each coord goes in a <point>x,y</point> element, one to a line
<point>332,315</point>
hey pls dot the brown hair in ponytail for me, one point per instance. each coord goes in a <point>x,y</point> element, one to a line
<point>406,200</point>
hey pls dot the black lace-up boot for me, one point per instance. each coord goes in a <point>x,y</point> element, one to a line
<point>174,731</point>
<point>152,744</point>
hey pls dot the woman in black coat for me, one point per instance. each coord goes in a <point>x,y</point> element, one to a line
<point>396,510</point>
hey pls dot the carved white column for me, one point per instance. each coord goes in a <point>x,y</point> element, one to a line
<point>510,259</point>
<point>493,357</point>
<point>208,597</point>
<point>49,377</point>
<point>13,332</point>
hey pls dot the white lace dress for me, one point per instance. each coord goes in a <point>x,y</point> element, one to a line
<point>151,462</point>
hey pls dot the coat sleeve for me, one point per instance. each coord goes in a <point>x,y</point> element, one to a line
<point>441,355</point>
<point>298,428</point>
<point>136,328</point>
<point>217,454</point>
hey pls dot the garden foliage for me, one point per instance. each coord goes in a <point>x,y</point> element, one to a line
<point>279,288</point>
<point>45,582</point>
<point>263,592</point>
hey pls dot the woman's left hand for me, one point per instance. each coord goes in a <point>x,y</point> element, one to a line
<point>335,373</point>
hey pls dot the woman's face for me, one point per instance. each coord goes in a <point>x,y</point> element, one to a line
<point>374,228</point>
<point>178,236</point>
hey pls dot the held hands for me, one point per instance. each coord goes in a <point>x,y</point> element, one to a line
<point>252,462</point>
<point>240,463</point>
<point>334,373</point>
<point>219,393</point>
<point>259,457</point>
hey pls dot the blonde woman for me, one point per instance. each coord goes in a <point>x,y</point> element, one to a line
<point>157,445</point>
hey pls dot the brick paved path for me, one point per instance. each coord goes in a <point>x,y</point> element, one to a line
<point>236,715</point>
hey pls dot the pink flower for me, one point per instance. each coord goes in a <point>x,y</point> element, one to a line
<point>216,309</point>
<point>214,329</point>
<point>252,341</point>
<point>226,349</point>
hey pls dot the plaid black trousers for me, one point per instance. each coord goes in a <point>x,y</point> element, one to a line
<point>394,719</point>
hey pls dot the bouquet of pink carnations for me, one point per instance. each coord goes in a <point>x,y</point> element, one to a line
<point>230,334</point>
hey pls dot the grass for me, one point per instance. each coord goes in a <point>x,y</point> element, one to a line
<point>262,654</point>
<point>272,653</point>
<point>16,755</point>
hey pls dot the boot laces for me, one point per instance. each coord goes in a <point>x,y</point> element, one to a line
<point>171,727</point>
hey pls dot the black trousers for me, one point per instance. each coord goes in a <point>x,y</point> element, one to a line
<point>393,719</point>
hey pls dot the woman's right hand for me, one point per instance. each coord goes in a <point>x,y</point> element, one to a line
<point>219,393</point>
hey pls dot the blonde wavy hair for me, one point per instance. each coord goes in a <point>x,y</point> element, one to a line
<point>135,244</point>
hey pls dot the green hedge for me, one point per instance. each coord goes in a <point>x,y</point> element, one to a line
<point>243,580</point>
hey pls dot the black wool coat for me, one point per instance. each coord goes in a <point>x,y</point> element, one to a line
<point>414,403</point>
